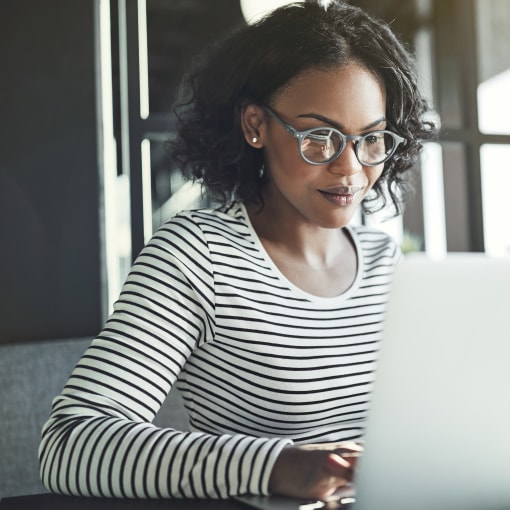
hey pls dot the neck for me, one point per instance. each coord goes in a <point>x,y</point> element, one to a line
<point>288,232</point>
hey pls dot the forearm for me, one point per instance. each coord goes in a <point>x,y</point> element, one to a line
<point>112,457</point>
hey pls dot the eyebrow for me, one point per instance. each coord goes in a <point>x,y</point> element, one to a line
<point>338,125</point>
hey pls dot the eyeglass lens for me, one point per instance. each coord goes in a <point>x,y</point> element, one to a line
<point>322,145</point>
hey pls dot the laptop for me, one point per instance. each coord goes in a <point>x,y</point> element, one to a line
<point>438,430</point>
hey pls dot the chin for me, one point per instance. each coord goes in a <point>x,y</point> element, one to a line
<point>337,221</point>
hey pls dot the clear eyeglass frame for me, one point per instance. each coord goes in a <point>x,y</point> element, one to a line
<point>357,139</point>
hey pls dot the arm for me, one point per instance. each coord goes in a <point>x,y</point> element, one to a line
<point>99,439</point>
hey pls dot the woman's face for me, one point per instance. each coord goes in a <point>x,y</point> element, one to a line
<point>350,99</point>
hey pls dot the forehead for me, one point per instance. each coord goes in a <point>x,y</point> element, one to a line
<point>341,94</point>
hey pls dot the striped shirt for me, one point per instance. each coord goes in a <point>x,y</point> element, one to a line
<point>260,364</point>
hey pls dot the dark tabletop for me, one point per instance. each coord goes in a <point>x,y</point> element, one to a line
<point>55,502</point>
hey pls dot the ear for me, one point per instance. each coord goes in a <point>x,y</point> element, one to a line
<point>252,121</point>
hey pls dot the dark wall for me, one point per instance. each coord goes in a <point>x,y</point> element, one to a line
<point>49,231</point>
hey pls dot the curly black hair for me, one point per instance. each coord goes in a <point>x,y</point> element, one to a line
<point>256,62</point>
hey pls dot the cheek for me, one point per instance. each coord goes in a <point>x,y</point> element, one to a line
<point>284,159</point>
<point>373,174</point>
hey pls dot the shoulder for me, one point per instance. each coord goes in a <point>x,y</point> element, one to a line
<point>195,230</point>
<point>226,220</point>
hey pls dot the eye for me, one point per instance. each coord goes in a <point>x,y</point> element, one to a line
<point>373,138</point>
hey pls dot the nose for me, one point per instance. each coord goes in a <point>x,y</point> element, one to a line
<point>347,163</point>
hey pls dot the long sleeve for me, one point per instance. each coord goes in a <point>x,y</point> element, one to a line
<point>99,439</point>
<point>259,362</point>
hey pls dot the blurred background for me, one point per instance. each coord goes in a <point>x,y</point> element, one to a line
<point>86,92</point>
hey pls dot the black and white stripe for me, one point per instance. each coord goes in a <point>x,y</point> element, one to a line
<point>259,362</point>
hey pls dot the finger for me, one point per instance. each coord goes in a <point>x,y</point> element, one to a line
<point>352,459</point>
<point>342,445</point>
<point>343,468</point>
<point>351,446</point>
<point>349,452</point>
<point>350,455</point>
<point>339,467</point>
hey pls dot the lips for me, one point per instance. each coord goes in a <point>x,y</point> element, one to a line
<point>340,195</point>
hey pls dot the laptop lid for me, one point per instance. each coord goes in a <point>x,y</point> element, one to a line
<point>438,432</point>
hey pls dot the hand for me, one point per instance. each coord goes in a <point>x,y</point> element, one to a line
<point>314,471</point>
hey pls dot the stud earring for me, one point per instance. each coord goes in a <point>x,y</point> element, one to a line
<point>254,139</point>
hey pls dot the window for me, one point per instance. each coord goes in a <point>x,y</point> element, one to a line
<point>464,66</point>
<point>493,41</point>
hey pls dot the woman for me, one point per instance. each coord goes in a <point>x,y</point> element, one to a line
<point>265,312</point>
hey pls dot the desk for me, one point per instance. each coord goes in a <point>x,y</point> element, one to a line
<point>55,502</point>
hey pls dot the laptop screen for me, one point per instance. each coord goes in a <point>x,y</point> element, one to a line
<point>438,428</point>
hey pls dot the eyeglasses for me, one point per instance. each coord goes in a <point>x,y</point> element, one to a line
<point>321,145</point>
